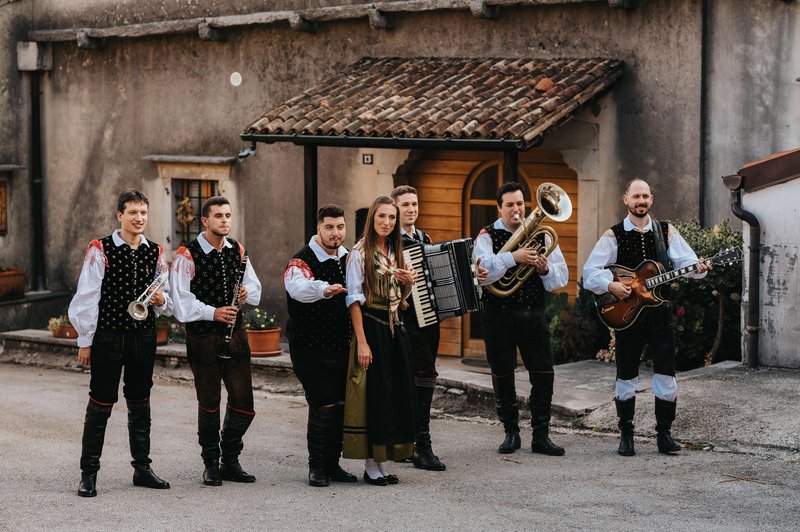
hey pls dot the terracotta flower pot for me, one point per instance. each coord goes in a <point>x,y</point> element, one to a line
<point>65,332</point>
<point>12,284</point>
<point>264,343</point>
<point>162,335</point>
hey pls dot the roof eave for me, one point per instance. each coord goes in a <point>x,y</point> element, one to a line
<point>391,142</point>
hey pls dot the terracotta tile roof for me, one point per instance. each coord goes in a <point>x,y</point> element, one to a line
<point>514,99</point>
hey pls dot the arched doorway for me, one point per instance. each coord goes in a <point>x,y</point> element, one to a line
<point>457,199</point>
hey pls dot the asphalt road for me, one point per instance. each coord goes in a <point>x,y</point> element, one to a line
<point>41,416</point>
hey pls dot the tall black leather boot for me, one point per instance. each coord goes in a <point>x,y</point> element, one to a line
<point>423,452</point>
<point>316,436</point>
<point>139,439</point>
<point>333,447</point>
<point>505,397</point>
<point>94,433</point>
<point>665,415</point>
<point>208,437</point>
<point>233,429</point>
<point>625,412</point>
<point>540,401</point>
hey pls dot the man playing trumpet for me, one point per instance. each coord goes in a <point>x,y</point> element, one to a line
<point>517,321</point>
<point>204,275</point>
<point>117,270</point>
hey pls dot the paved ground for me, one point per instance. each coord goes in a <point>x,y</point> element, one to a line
<point>590,488</point>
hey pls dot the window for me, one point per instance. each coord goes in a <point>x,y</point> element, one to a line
<point>188,196</point>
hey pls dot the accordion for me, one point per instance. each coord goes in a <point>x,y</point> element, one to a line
<point>447,280</point>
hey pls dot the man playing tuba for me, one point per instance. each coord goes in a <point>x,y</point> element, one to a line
<point>516,319</point>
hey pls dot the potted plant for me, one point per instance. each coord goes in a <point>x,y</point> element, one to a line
<point>162,330</point>
<point>12,283</point>
<point>263,333</point>
<point>60,327</point>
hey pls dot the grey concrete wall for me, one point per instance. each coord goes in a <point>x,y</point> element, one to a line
<point>754,92</point>
<point>14,137</point>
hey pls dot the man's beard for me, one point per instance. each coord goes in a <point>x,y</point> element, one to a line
<point>329,246</point>
<point>638,214</point>
<point>217,233</point>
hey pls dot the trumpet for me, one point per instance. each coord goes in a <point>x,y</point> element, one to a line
<point>138,309</point>
<point>554,203</point>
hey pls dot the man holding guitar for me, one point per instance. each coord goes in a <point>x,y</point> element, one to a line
<point>628,244</point>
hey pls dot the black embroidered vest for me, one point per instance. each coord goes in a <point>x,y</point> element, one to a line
<point>215,275</point>
<point>633,247</point>
<point>128,274</point>
<point>531,293</point>
<point>322,326</point>
<point>409,314</point>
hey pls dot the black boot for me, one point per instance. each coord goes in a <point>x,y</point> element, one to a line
<point>233,429</point>
<point>665,415</point>
<point>505,397</point>
<point>625,412</point>
<point>540,400</point>
<point>94,433</point>
<point>316,436</point>
<point>208,437</point>
<point>333,445</point>
<point>423,452</point>
<point>139,439</point>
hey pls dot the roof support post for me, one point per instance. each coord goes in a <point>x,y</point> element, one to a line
<point>510,165</point>
<point>310,189</point>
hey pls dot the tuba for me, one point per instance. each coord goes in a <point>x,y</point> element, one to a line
<point>553,203</point>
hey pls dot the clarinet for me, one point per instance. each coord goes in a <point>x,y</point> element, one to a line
<point>225,352</point>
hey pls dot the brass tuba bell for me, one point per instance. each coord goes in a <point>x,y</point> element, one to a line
<point>554,203</point>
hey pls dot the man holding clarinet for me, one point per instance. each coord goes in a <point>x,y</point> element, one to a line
<point>211,277</point>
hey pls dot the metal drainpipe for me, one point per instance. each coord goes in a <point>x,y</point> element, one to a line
<point>36,184</point>
<point>753,285</point>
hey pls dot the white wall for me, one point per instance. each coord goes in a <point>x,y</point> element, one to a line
<point>778,213</point>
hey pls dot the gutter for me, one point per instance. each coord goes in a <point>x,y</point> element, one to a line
<point>392,142</point>
<point>734,183</point>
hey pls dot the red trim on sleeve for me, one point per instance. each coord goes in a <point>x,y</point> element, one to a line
<point>298,263</point>
<point>241,250</point>
<point>483,231</point>
<point>187,255</point>
<point>89,256</point>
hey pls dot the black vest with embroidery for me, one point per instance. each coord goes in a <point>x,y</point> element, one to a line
<point>215,276</point>
<point>409,314</point>
<point>323,325</point>
<point>530,294</point>
<point>633,247</point>
<point>128,274</point>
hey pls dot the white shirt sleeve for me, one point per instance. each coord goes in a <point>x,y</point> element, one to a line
<point>252,284</point>
<point>167,309</point>
<point>595,275</point>
<point>355,279</point>
<point>496,264</point>
<point>84,308</point>
<point>681,254</point>
<point>558,273</point>
<point>300,283</point>
<point>187,307</point>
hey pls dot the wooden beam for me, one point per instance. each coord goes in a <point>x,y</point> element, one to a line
<point>310,186</point>
<point>298,23</point>
<point>207,32</point>
<point>380,20</point>
<point>510,166</point>
<point>481,9</point>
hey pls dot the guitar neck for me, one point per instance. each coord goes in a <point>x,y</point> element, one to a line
<point>672,275</point>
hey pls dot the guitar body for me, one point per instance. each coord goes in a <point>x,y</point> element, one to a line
<point>621,314</point>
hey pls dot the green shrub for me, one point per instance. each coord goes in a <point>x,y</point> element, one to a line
<point>577,333</point>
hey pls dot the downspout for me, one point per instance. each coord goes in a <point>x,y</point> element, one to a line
<point>36,184</point>
<point>704,53</point>
<point>734,184</point>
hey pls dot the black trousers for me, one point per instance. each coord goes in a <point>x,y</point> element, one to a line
<point>210,371</point>
<point>654,329</point>
<point>505,330</point>
<point>111,352</point>
<point>424,346</point>
<point>322,374</point>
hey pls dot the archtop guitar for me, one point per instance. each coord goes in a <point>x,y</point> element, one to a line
<point>645,283</point>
